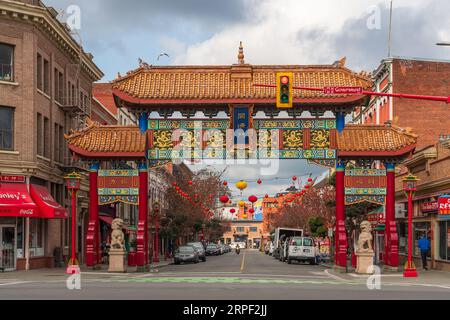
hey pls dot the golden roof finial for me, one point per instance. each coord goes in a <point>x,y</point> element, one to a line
<point>241,54</point>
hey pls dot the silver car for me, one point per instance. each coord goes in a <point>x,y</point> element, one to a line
<point>200,248</point>
<point>186,254</point>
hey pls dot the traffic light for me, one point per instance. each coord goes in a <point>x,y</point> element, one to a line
<point>285,81</point>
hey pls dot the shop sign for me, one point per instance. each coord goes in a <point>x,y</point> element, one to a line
<point>12,179</point>
<point>444,205</point>
<point>428,207</point>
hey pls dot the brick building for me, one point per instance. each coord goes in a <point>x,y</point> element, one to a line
<point>428,119</point>
<point>45,90</point>
<point>431,161</point>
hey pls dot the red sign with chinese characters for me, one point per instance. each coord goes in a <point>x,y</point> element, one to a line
<point>430,206</point>
<point>343,90</point>
<point>12,179</point>
<point>444,205</point>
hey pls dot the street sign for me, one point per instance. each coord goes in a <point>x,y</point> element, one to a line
<point>343,90</point>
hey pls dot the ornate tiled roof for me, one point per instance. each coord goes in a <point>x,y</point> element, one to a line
<point>230,83</point>
<point>370,139</point>
<point>98,141</point>
<point>108,141</point>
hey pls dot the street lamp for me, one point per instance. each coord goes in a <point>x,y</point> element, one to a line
<point>443,44</point>
<point>156,208</point>
<point>410,186</point>
<point>73,185</point>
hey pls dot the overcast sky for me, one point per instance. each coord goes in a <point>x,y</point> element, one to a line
<point>119,32</point>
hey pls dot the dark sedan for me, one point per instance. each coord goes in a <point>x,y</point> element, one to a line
<point>212,250</point>
<point>186,254</point>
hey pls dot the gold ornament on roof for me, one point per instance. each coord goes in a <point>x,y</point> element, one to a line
<point>241,55</point>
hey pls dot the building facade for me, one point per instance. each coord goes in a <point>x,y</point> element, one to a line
<point>45,90</point>
<point>429,120</point>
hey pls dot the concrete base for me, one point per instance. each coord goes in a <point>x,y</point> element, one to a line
<point>117,260</point>
<point>364,264</point>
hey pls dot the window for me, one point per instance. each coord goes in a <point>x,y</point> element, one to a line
<point>39,72</point>
<point>240,229</point>
<point>6,128</point>
<point>36,237</point>
<point>46,137</point>
<point>444,240</point>
<point>56,144</point>
<point>253,229</point>
<point>39,135</point>
<point>6,62</point>
<point>60,87</point>
<point>46,77</point>
<point>61,144</point>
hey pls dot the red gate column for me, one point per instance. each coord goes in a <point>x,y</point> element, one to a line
<point>142,257</point>
<point>93,255</point>
<point>391,236</point>
<point>340,235</point>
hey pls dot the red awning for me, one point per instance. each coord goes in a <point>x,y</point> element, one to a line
<point>15,201</point>
<point>48,207</point>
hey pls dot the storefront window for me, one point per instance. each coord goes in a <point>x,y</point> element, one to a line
<point>420,228</point>
<point>444,240</point>
<point>36,237</point>
<point>20,238</point>
<point>402,237</point>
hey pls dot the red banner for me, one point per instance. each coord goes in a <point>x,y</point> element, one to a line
<point>430,207</point>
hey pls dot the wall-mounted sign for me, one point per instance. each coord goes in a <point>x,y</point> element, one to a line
<point>12,179</point>
<point>444,205</point>
<point>428,207</point>
<point>365,185</point>
<point>118,186</point>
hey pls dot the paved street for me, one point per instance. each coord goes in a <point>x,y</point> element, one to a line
<point>249,276</point>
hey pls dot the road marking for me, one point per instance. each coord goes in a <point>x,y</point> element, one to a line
<point>243,262</point>
<point>334,276</point>
<point>105,273</point>
<point>14,283</point>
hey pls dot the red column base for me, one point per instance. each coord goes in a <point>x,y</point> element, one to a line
<point>92,255</point>
<point>410,273</point>
<point>341,244</point>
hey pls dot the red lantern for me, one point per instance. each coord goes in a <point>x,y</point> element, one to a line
<point>267,196</point>
<point>252,199</point>
<point>225,183</point>
<point>252,211</point>
<point>307,187</point>
<point>233,210</point>
<point>174,184</point>
<point>259,181</point>
<point>310,180</point>
<point>191,183</point>
<point>294,178</point>
<point>224,199</point>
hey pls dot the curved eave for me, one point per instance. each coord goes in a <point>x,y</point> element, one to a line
<point>106,155</point>
<point>354,99</point>
<point>403,152</point>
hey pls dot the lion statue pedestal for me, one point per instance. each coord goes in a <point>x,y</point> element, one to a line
<point>364,252</point>
<point>117,252</point>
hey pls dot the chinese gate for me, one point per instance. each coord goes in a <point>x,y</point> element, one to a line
<point>244,134</point>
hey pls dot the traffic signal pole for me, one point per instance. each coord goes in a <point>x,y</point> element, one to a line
<point>371,93</point>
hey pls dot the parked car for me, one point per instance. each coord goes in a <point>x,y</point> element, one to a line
<point>302,249</point>
<point>228,248</point>
<point>186,254</point>
<point>212,250</point>
<point>200,248</point>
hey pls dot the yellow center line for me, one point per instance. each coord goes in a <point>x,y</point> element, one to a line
<point>243,261</point>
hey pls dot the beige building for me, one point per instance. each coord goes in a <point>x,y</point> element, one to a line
<point>45,90</point>
<point>248,231</point>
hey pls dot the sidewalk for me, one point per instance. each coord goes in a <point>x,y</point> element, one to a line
<point>430,277</point>
<point>53,273</point>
